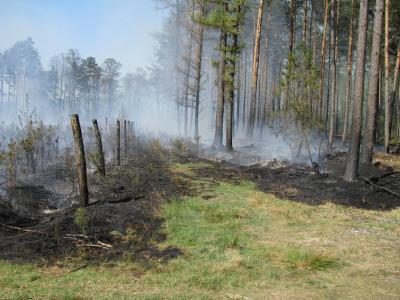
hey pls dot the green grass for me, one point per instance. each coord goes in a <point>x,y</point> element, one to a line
<point>240,244</point>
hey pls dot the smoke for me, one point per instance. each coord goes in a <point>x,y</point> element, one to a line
<point>152,93</point>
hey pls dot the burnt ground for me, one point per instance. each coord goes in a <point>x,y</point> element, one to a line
<point>375,189</point>
<point>122,214</point>
<point>300,184</point>
<point>123,217</point>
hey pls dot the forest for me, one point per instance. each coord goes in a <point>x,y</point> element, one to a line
<point>257,156</point>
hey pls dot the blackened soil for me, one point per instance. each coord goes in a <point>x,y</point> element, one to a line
<point>124,214</point>
<point>122,218</point>
<point>301,184</point>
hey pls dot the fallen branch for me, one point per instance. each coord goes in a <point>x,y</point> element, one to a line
<point>377,178</point>
<point>121,200</point>
<point>78,268</point>
<point>381,187</point>
<point>23,229</point>
<point>104,244</point>
<point>98,245</point>
<point>81,243</point>
<point>76,236</point>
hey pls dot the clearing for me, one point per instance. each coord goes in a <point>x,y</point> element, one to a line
<point>180,227</point>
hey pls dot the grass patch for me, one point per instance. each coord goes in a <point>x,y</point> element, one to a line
<point>307,260</point>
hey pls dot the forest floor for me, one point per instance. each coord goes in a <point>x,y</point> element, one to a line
<point>169,225</point>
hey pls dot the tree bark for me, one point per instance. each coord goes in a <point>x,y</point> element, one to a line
<point>354,151</point>
<point>388,105</point>
<point>349,73</point>
<point>332,114</point>
<point>244,89</point>
<point>188,62</point>
<point>292,24</point>
<point>337,58</point>
<point>118,140</point>
<point>267,104</point>
<point>305,20</point>
<point>370,130</point>
<point>256,61</point>
<point>219,120</point>
<point>395,88</point>
<point>198,65</point>
<point>231,93</point>
<point>80,160</point>
<point>323,57</point>
<point>100,152</point>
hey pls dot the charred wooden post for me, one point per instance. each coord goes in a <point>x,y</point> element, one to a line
<point>100,152</point>
<point>80,160</point>
<point>125,140</point>
<point>129,131</point>
<point>57,148</point>
<point>133,130</point>
<point>118,143</point>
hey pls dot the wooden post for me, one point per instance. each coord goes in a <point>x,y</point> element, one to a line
<point>99,144</point>
<point>118,143</point>
<point>80,160</point>
<point>125,141</point>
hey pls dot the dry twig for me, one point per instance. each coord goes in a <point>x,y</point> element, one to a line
<point>380,187</point>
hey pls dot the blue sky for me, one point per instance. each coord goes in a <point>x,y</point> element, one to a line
<point>102,28</point>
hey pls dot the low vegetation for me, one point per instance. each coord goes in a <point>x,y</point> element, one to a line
<point>236,243</point>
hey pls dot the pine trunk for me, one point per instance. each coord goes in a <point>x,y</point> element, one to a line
<point>388,105</point>
<point>332,115</point>
<point>198,66</point>
<point>354,151</point>
<point>370,130</point>
<point>323,57</point>
<point>256,61</point>
<point>219,120</point>
<point>349,73</point>
<point>395,87</point>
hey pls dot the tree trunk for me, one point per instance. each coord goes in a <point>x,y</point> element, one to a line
<point>292,25</point>
<point>354,151</point>
<point>244,89</point>
<point>118,143</point>
<point>370,130</point>
<point>177,57</point>
<point>125,141</point>
<point>219,120</point>
<point>267,104</point>
<point>332,115</point>
<point>238,94</point>
<point>388,105</point>
<point>256,61</point>
<point>395,88</point>
<point>229,121</point>
<point>80,160</point>
<point>188,59</point>
<point>198,66</point>
<point>100,152</point>
<point>337,58</point>
<point>323,57</point>
<point>305,20</point>
<point>349,73</point>
<point>231,95</point>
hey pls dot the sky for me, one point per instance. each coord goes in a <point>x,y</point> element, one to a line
<point>121,29</point>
